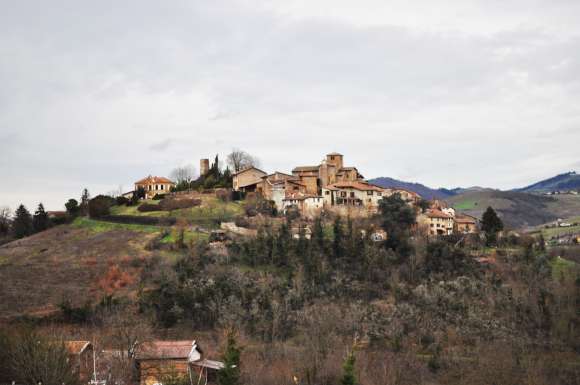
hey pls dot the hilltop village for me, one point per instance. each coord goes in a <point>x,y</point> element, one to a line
<point>328,187</point>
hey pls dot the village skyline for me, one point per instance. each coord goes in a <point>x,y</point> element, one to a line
<point>470,95</point>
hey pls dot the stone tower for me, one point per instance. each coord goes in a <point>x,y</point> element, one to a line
<point>203,167</point>
<point>334,159</point>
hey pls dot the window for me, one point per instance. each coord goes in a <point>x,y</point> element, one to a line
<point>332,157</point>
<point>162,186</point>
<point>432,225</point>
<point>379,193</point>
<point>352,194</point>
<point>343,194</point>
<point>327,192</point>
<point>370,192</point>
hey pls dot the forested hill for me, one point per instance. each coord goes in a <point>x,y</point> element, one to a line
<point>567,181</point>
<point>424,191</point>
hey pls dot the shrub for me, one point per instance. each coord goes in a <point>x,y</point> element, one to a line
<point>148,207</point>
<point>242,222</point>
<point>100,206</point>
<point>73,314</point>
<point>158,197</point>
<point>174,204</point>
<point>121,200</point>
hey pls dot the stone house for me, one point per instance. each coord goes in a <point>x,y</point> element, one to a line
<point>331,170</point>
<point>154,185</point>
<point>80,353</point>
<point>248,179</point>
<point>158,361</point>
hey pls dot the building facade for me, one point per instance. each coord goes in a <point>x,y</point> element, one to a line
<point>154,185</point>
<point>248,180</point>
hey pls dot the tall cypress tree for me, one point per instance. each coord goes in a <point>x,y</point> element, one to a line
<point>230,374</point>
<point>40,220</point>
<point>22,223</point>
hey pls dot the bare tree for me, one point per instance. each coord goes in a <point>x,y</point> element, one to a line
<point>32,358</point>
<point>5,215</point>
<point>239,160</point>
<point>183,174</point>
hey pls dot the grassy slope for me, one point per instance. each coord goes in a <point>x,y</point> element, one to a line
<point>211,209</point>
<point>518,209</point>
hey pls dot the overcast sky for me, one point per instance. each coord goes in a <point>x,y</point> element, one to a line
<point>446,93</point>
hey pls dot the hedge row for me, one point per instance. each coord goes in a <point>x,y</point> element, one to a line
<point>138,220</point>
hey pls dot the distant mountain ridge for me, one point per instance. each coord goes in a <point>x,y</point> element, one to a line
<point>421,189</point>
<point>562,182</point>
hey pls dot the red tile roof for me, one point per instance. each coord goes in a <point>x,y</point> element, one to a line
<point>76,347</point>
<point>464,218</point>
<point>357,185</point>
<point>437,214</point>
<point>153,180</point>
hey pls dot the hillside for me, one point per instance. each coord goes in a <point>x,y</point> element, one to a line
<point>562,182</point>
<point>518,209</point>
<point>79,262</point>
<point>424,191</point>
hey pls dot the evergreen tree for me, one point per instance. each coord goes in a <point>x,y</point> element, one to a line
<point>338,241</point>
<point>230,374</point>
<point>40,220</point>
<point>22,223</point>
<point>398,218</point>
<point>348,374</point>
<point>491,224</point>
<point>72,207</point>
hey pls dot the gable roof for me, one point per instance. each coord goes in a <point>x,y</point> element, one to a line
<point>76,347</point>
<point>305,168</point>
<point>437,214</point>
<point>248,169</point>
<point>357,185</point>
<point>154,350</point>
<point>464,218</point>
<point>154,179</point>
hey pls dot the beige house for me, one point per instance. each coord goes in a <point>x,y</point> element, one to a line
<point>353,194</point>
<point>436,222</point>
<point>408,196</point>
<point>309,206</point>
<point>465,224</point>
<point>154,185</point>
<point>248,180</point>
